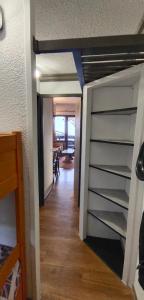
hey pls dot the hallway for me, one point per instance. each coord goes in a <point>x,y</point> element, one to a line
<point>69,269</point>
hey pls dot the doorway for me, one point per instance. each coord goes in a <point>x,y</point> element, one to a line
<point>99,74</point>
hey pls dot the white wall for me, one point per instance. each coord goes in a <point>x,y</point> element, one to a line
<point>16,105</point>
<point>48,144</point>
<point>60,87</point>
<point>64,109</point>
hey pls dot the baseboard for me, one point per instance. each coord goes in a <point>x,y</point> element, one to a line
<point>48,191</point>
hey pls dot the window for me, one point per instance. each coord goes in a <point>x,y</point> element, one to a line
<point>71,131</point>
<point>59,126</point>
<point>64,130</point>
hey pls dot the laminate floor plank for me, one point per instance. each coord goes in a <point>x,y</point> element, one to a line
<point>70,270</point>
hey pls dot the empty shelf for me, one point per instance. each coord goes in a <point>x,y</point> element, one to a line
<point>112,141</point>
<point>119,197</point>
<point>120,111</point>
<point>122,171</point>
<point>114,220</point>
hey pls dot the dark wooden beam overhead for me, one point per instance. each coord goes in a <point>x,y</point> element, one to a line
<point>113,62</point>
<point>103,44</point>
<point>109,64</point>
<point>79,67</point>
<point>89,74</point>
<point>92,69</point>
<point>113,57</point>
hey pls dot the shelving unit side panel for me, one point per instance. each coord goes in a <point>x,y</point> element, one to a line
<point>86,129</point>
<point>136,194</point>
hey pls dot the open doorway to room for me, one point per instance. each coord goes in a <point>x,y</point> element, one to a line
<point>67,138</point>
<point>59,149</point>
<point>59,121</point>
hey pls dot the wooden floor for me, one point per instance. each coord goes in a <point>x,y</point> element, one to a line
<point>69,269</point>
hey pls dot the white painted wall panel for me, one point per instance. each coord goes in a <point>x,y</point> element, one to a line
<point>15,109</point>
<point>60,87</point>
<point>48,144</point>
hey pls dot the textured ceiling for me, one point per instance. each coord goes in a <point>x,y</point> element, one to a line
<point>57,19</point>
<point>56,63</point>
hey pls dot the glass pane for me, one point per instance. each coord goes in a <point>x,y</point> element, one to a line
<point>60,128</point>
<point>71,132</point>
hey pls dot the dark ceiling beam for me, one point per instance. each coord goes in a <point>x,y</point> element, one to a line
<point>108,44</point>
<point>92,69</point>
<point>59,77</point>
<point>113,57</point>
<point>112,50</point>
<point>109,55</point>
<point>111,64</point>
<point>88,74</point>
<point>98,72</point>
<point>78,64</point>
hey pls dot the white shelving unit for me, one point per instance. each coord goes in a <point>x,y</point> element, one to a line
<point>123,171</point>
<point>114,220</point>
<point>112,141</point>
<point>119,197</point>
<point>111,195</point>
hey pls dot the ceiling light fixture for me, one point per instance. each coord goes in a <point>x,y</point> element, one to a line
<point>37,74</point>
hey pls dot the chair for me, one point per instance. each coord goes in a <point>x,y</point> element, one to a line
<point>56,169</point>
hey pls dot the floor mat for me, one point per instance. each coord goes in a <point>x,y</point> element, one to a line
<point>110,251</point>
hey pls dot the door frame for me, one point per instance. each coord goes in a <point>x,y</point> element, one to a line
<point>107,44</point>
<point>40,149</point>
<point>40,138</point>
